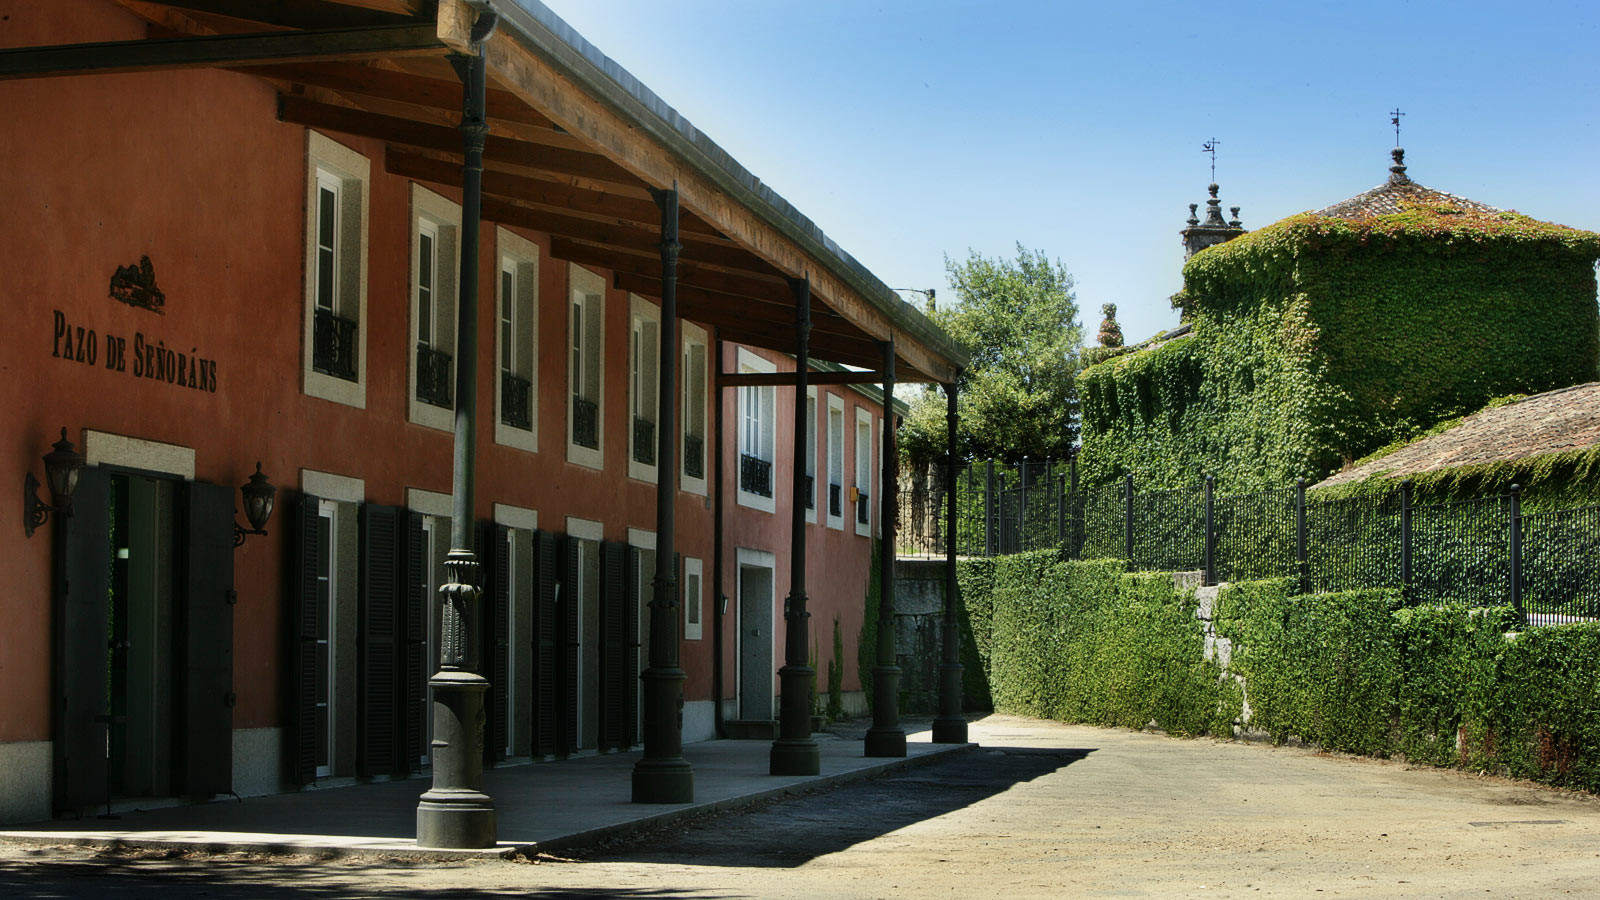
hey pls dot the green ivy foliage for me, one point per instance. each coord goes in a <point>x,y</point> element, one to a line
<point>1087,642</point>
<point>1446,685</point>
<point>1317,340</point>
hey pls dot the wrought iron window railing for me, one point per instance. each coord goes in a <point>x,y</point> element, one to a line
<point>434,381</point>
<point>644,441</point>
<point>694,456</point>
<point>516,401</point>
<point>835,500</point>
<point>863,509</point>
<point>333,345</point>
<point>755,475</point>
<point>811,492</point>
<point>585,423</point>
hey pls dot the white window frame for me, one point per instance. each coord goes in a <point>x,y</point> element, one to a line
<point>434,215</point>
<point>642,315</point>
<point>863,480</point>
<point>813,445</point>
<point>834,435</point>
<point>693,601</point>
<point>587,291</point>
<point>329,162</point>
<point>756,415</point>
<point>518,257</point>
<point>692,335</point>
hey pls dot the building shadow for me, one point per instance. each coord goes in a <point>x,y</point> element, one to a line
<point>794,831</point>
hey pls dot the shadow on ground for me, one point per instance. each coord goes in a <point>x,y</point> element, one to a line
<point>795,831</point>
<point>119,875</point>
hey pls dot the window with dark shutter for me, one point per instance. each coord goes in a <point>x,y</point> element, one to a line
<point>378,649</point>
<point>206,752</point>
<point>545,649</point>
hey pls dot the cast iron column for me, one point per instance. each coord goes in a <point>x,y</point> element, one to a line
<point>950,727</point>
<point>662,775</point>
<point>455,813</point>
<point>794,752</point>
<point>886,737</point>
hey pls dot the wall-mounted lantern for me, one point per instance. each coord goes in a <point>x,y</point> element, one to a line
<point>61,468</point>
<point>259,494</point>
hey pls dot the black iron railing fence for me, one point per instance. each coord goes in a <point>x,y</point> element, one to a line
<point>1483,551</point>
<point>435,381</point>
<point>516,400</point>
<point>334,344</point>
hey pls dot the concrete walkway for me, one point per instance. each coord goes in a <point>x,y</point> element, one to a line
<point>541,806</point>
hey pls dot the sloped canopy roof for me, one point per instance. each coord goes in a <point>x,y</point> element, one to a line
<point>576,145</point>
<point>1552,422</point>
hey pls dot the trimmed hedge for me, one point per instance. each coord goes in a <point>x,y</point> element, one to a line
<point>1086,642</point>
<point>1444,685</point>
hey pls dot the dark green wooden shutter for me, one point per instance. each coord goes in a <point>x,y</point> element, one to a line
<point>545,650</point>
<point>206,622</point>
<point>303,763</point>
<point>80,659</point>
<point>569,611</point>
<point>614,641</point>
<point>494,552</point>
<point>630,667</point>
<point>415,646</point>
<point>378,643</point>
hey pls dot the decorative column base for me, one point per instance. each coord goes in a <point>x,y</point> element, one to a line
<point>886,737</point>
<point>950,727</point>
<point>796,757</point>
<point>665,777</point>
<point>457,817</point>
<point>663,781</point>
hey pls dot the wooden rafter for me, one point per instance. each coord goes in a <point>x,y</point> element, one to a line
<point>399,130</point>
<point>549,194</point>
<point>292,13</point>
<point>218,49</point>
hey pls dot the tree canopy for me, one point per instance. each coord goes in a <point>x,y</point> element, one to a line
<point>1019,320</point>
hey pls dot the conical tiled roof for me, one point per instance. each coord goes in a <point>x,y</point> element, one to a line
<point>1398,194</point>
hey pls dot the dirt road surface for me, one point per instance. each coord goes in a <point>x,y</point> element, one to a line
<point>1041,810</point>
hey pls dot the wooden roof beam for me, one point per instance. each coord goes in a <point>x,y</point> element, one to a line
<point>206,51</point>
<point>621,236</point>
<point>545,193</point>
<point>400,130</point>
<point>645,263</point>
<point>293,13</point>
<point>765,310</point>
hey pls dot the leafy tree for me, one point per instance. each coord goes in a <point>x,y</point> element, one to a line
<point>1019,320</point>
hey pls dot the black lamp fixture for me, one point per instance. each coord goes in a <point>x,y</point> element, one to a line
<point>61,468</point>
<point>259,494</point>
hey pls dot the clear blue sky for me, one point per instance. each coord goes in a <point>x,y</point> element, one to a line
<point>912,130</point>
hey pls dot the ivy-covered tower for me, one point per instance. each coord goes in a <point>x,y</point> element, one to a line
<point>1325,336</point>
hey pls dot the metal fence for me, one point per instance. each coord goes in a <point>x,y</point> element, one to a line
<point>1483,551</point>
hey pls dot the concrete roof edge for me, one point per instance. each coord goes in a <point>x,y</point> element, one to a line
<point>549,35</point>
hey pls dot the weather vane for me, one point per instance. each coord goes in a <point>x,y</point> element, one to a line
<point>1394,119</point>
<point>1211,148</point>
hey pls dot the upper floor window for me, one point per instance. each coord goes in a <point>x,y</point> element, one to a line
<point>863,504</point>
<point>516,342</point>
<point>694,377</point>
<point>585,374</point>
<point>336,271</point>
<point>757,434</point>
<point>644,399</point>
<point>835,437</point>
<point>811,454</point>
<point>435,226</point>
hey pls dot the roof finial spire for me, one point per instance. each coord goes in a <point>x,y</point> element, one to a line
<point>1397,172</point>
<point>1394,119</point>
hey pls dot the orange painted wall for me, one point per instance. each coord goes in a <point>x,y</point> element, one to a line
<point>193,169</point>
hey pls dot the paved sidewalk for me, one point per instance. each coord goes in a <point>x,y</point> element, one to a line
<point>541,806</point>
